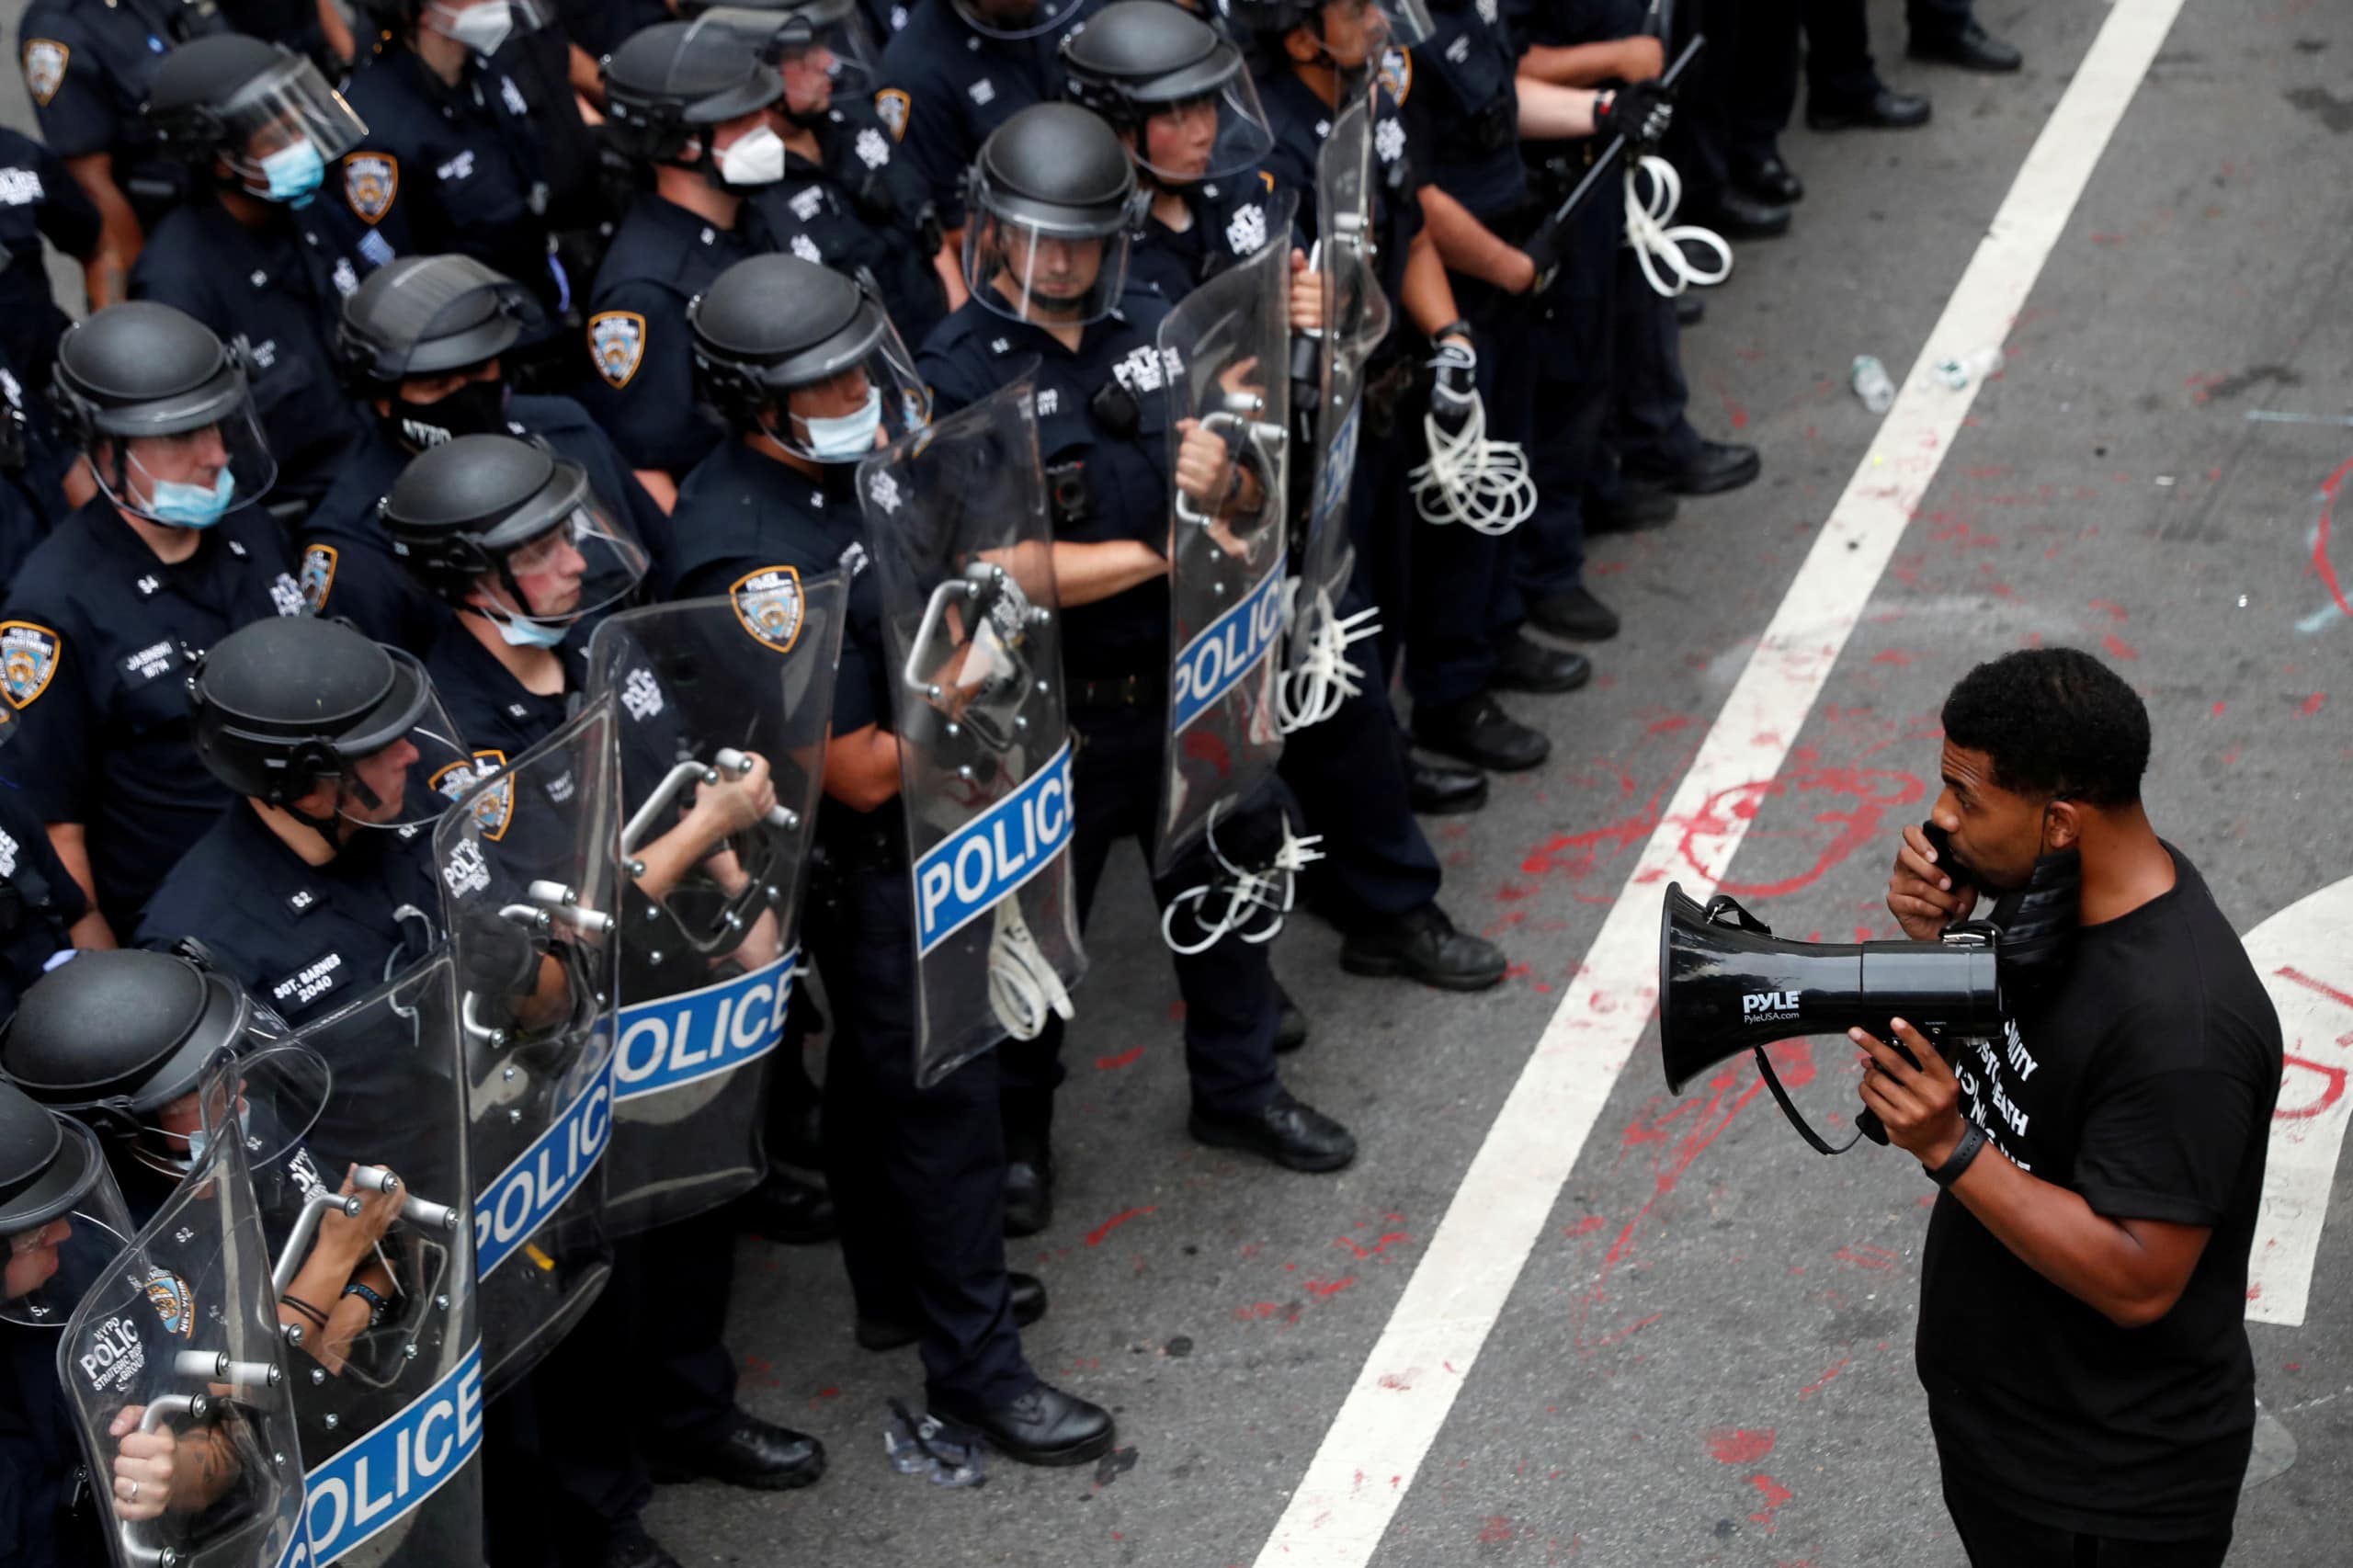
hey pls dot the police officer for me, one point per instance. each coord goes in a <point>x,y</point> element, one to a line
<point>810,377</point>
<point>1178,93</point>
<point>39,199</point>
<point>87,65</point>
<point>848,200</point>
<point>957,71</point>
<point>248,254</point>
<point>452,160</point>
<point>688,102</point>
<point>36,474</point>
<point>306,889</point>
<point>514,541</point>
<point>100,627</point>
<point>43,913</point>
<point>53,1185</point>
<point>1054,198</point>
<point>422,344</point>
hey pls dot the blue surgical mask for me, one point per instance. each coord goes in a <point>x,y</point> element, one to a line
<point>192,505</point>
<point>530,633</point>
<point>850,437</point>
<point>294,173</point>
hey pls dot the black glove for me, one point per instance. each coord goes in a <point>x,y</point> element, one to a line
<point>497,960</point>
<point>1640,111</point>
<point>1454,381</point>
<point>1546,248</point>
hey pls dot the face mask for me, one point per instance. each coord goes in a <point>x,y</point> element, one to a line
<point>477,408</point>
<point>294,173</point>
<point>479,27</point>
<point>755,157</point>
<point>192,505</point>
<point>850,436</point>
<point>2038,923</point>
<point>530,633</point>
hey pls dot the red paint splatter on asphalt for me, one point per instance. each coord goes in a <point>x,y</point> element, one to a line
<point>1329,1288</point>
<point>1865,1256</point>
<point>2311,705</point>
<point>1586,1226</point>
<point>1498,1528</point>
<point>1737,1445</point>
<point>1125,1058</point>
<point>2118,647</point>
<point>1774,1495</point>
<point>1822,1382</point>
<point>2321,562</point>
<point>1095,1237</point>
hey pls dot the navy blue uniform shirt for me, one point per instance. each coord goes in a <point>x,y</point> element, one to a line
<point>1470,107</point>
<point>1123,475</point>
<point>37,198</point>
<point>32,470</point>
<point>863,206</point>
<point>87,66</point>
<point>662,256</point>
<point>443,169</point>
<point>1300,121</point>
<point>40,900</point>
<point>303,938</point>
<point>96,641</point>
<point>281,287</point>
<point>1228,225</point>
<point>945,87</point>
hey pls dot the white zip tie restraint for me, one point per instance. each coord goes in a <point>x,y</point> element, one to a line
<point>1470,480</point>
<point>1023,987</point>
<point>1656,244</point>
<point>1312,688</point>
<point>1251,904</point>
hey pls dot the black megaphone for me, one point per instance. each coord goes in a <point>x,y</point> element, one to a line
<point>1727,985</point>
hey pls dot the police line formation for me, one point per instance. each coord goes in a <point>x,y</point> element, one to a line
<point>494,594</point>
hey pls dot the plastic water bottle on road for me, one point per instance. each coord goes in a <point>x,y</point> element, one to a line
<point>1871,384</point>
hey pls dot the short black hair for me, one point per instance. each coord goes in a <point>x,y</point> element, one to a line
<point>2057,722</point>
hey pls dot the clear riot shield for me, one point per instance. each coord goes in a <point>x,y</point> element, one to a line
<point>957,516</point>
<point>172,1363</point>
<point>708,691</point>
<point>354,1131</point>
<point>530,872</point>
<point>1316,671</point>
<point>1226,350</point>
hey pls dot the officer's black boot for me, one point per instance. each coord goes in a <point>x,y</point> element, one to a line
<point>1286,1130</point>
<point>1424,944</point>
<point>1044,1427</point>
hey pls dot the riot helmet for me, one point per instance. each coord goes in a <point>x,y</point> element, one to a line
<point>62,1220</point>
<point>423,334</point>
<point>1051,199</point>
<point>502,528</point>
<point>1172,86</point>
<point>675,88</point>
<point>1012,19</point>
<point>121,1039</point>
<point>260,107</point>
<point>164,410</point>
<point>312,718</point>
<point>1351,35</point>
<point>806,357</point>
<point>821,49</point>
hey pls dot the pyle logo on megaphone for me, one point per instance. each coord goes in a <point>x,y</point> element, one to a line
<point>1767,1007</point>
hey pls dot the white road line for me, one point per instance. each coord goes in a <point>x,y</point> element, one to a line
<point>2305,956</point>
<point>1342,1506</point>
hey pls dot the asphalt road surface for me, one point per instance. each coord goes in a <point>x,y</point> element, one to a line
<point>1705,1356</point>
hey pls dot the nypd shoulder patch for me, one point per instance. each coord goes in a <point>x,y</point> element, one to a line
<point>370,183</point>
<point>45,60</point>
<point>28,661</point>
<point>895,105</point>
<point>617,341</point>
<point>318,576</point>
<point>494,809</point>
<point>770,603</point>
<point>1397,73</point>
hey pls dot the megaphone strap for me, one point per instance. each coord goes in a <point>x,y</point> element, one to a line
<point>1790,1110</point>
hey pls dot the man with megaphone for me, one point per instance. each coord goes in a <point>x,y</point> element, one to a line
<point>2097,1118</point>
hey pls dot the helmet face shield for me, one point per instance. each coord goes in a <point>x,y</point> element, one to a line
<point>564,557</point>
<point>267,124</point>
<point>1048,272</point>
<point>390,760</point>
<point>820,51</point>
<point>1209,134</point>
<point>872,400</point>
<point>62,1233</point>
<point>185,474</point>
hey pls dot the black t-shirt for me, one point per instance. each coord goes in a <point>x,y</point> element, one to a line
<point>2145,1082</point>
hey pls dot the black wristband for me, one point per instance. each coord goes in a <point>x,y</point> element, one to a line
<point>1458,328</point>
<point>1963,1155</point>
<point>376,1303</point>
